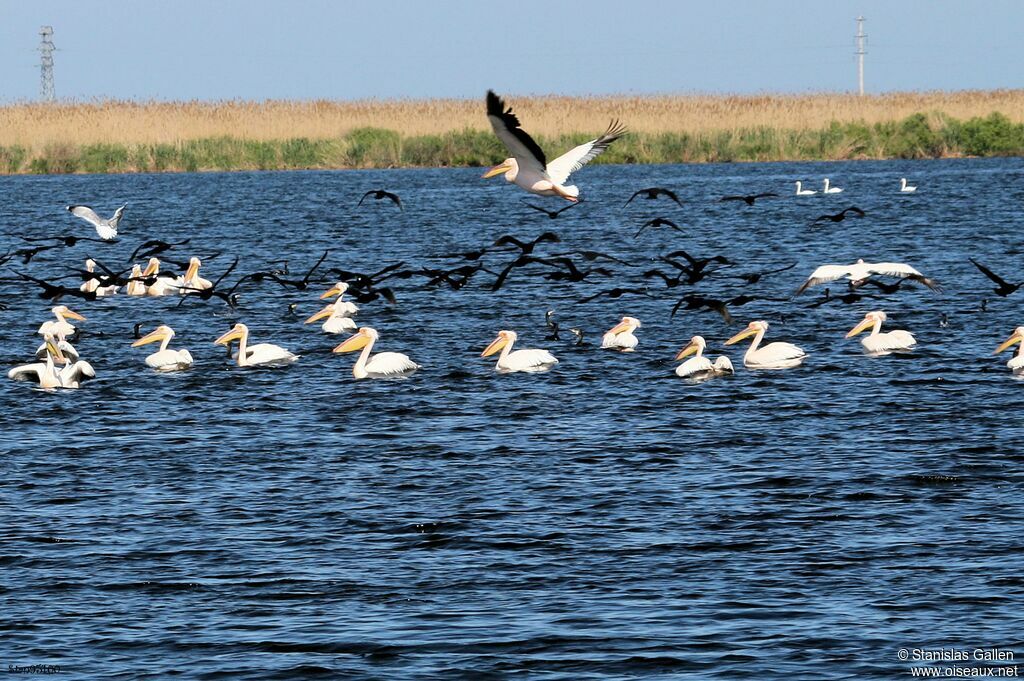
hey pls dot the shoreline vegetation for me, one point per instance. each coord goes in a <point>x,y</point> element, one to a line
<point>122,137</point>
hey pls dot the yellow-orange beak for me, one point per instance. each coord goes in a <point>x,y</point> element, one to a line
<point>151,268</point>
<point>688,350</point>
<point>1009,342</point>
<point>497,170</point>
<point>233,334</point>
<point>192,271</point>
<point>151,337</point>
<point>326,312</point>
<point>330,293</point>
<point>356,342</point>
<point>749,331</point>
<point>54,350</point>
<point>866,324</point>
<point>495,346</point>
<point>73,315</point>
<point>619,328</point>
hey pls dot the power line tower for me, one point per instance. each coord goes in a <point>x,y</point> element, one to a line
<point>860,54</point>
<point>46,49</point>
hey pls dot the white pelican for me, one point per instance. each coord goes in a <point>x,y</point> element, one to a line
<point>340,306</point>
<point>700,366</point>
<point>381,365</point>
<point>829,189</point>
<point>881,344</point>
<point>47,375</point>
<point>620,337</point>
<point>906,188</point>
<point>164,359</point>
<point>800,191</point>
<point>509,361</point>
<point>60,328</point>
<point>93,286</point>
<point>1016,363</point>
<point>107,229</point>
<point>528,166</point>
<point>336,321</point>
<point>859,272</point>
<point>67,350</point>
<point>163,284</point>
<point>771,356</point>
<point>261,353</point>
<point>191,280</point>
<point>135,286</point>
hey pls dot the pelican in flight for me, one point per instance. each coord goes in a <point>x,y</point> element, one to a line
<point>831,190</point>
<point>528,166</point>
<point>381,365</point>
<point>47,375</point>
<point>60,328</point>
<point>771,356</point>
<point>261,353</point>
<point>107,229</point>
<point>135,286</point>
<point>164,359</point>
<point>620,337</point>
<point>531,360</point>
<point>881,344</point>
<point>906,188</point>
<point>800,191</point>
<point>700,366</point>
<point>93,286</point>
<point>340,306</point>
<point>1016,363</point>
<point>191,279</point>
<point>337,319</point>
<point>860,271</point>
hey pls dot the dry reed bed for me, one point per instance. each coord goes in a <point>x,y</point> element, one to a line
<point>35,126</point>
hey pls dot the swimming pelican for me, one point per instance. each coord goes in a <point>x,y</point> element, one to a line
<point>47,375</point>
<point>261,353</point>
<point>342,307</point>
<point>336,321</point>
<point>620,337</point>
<point>1016,363</point>
<point>771,356</point>
<point>60,328</point>
<point>191,279</point>
<point>528,166</point>
<point>800,191</point>
<point>67,350</point>
<point>107,229</point>
<point>906,188</point>
<point>509,361</point>
<point>831,190</point>
<point>164,359</point>
<point>381,365</point>
<point>162,285</point>
<point>881,344</point>
<point>93,286</point>
<point>700,366</point>
<point>859,272</point>
<point>135,286</point>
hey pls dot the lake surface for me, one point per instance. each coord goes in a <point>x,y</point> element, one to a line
<point>604,520</point>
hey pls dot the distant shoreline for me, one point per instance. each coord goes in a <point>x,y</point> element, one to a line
<point>123,137</point>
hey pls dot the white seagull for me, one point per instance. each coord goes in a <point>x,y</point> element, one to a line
<point>528,166</point>
<point>859,272</point>
<point>531,360</point>
<point>906,188</point>
<point>881,344</point>
<point>107,229</point>
<point>831,190</point>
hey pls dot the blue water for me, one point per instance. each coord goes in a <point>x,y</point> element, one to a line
<point>605,520</point>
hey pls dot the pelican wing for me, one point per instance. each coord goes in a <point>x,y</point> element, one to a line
<point>775,352</point>
<point>390,364</point>
<point>74,374</point>
<point>568,163</point>
<point>899,269</point>
<point>893,340</point>
<point>506,126</point>
<point>824,274</point>
<point>86,213</point>
<point>694,365</point>
<point>28,372</point>
<point>528,359</point>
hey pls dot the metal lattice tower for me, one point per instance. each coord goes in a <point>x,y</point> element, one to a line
<point>860,54</point>
<point>46,49</point>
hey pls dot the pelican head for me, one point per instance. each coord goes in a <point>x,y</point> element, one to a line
<point>158,334</point>
<point>193,268</point>
<point>753,328</point>
<point>869,320</point>
<point>326,312</point>
<point>358,341</point>
<point>62,312</point>
<point>90,265</point>
<point>696,343</point>
<point>237,331</point>
<point>503,339</point>
<point>53,349</point>
<point>509,166</point>
<point>337,290</point>
<point>152,267</point>
<point>1016,337</point>
<point>627,324</point>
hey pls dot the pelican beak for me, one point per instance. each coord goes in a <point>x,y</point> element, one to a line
<point>151,268</point>
<point>73,315</point>
<point>326,312</point>
<point>233,334</point>
<point>619,328</point>
<point>741,335</point>
<point>688,350</point>
<point>192,271</point>
<point>496,345</point>
<point>356,342</point>
<point>864,325</point>
<point>497,170</point>
<point>333,291</point>
<point>54,350</point>
<point>1015,338</point>
<point>151,337</point>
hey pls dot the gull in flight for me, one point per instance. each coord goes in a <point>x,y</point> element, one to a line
<point>107,229</point>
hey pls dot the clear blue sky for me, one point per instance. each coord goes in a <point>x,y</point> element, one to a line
<point>262,49</point>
